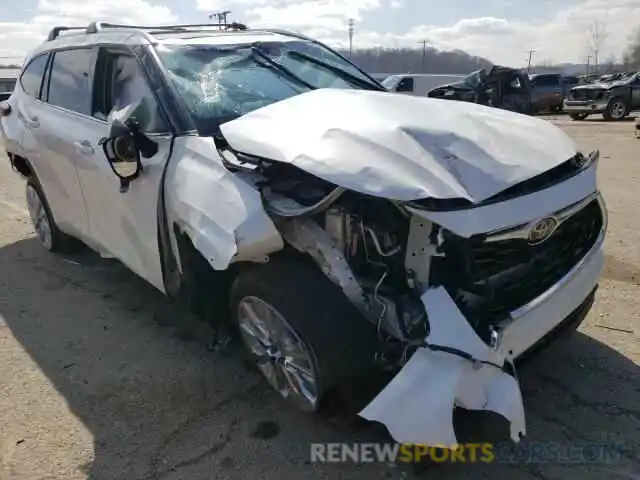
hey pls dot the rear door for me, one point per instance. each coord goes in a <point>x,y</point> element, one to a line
<point>56,126</point>
<point>27,92</point>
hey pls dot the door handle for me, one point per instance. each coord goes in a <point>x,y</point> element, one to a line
<point>33,122</point>
<point>84,147</point>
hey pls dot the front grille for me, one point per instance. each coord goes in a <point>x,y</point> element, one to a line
<point>490,279</point>
<point>586,94</point>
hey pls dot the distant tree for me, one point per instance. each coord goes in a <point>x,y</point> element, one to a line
<point>631,58</point>
<point>596,38</point>
<point>408,60</point>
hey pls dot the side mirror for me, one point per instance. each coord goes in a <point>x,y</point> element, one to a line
<point>125,145</point>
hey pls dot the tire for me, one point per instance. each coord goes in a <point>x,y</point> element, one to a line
<point>338,342</point>
<point>617,109</point>
<point>51,237</point>
<point>578,116</point>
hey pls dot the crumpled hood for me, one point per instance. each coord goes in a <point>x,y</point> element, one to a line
<point>401,147</point>
<point>599,86</point>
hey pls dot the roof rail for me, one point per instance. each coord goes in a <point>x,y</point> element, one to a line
<point>95,27</point>
<point>56,31</point>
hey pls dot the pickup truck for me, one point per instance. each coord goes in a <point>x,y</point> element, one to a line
<point>614,100</point>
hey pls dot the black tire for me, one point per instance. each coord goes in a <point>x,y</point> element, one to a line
<point>341,341</point>
<point>578,116</point>
<point>613,108</point>
<point>59,241</point>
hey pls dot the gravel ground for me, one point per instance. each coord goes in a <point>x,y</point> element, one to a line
<point>97,382</point>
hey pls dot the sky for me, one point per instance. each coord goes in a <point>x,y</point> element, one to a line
<point>503,31</point>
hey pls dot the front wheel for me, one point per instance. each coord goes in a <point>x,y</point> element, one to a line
<point>304,335</point>
<point>617,109</point>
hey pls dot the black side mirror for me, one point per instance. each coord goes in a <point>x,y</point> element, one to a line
<point>123,148</point>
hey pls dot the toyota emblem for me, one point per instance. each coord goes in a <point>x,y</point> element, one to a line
<point>542,230</point>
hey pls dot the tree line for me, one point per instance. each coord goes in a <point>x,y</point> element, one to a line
<point>408,60</point>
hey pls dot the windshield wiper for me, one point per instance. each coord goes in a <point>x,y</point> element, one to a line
<point>338,71</point>
<point>281,68</point>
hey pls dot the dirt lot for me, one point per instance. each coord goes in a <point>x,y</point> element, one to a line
<point>96,382</point>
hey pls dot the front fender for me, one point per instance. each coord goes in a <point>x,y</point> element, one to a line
<point>221,213</point>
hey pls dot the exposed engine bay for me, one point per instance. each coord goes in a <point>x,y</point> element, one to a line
<point>448,308</point>
<point>360,242</point>
<point>384,257</point>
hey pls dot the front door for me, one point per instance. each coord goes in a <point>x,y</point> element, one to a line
<point>124,224</point>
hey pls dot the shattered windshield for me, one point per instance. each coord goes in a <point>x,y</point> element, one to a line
<point>474,79</point>
<point>220,83</point>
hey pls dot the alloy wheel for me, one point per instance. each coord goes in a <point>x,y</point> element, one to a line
<point>282,356</point>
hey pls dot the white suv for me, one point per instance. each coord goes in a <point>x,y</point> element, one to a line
<point>402,252</point>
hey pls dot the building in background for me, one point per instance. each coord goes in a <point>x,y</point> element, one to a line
<point>8,77</point>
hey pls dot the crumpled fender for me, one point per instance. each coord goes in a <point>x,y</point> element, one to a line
<point>222,214</point>
<point>417,405</point>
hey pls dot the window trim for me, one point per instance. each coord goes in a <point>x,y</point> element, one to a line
<point>52,54</point>
<point>44,73</point>
<point>127,50</point>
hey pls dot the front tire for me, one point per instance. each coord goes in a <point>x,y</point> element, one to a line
<point>617,109</point>
<point>306,337</point>
<point>51,237</point>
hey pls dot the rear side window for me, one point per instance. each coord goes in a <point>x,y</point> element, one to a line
<point>31,78</point>
<point>70,80</point>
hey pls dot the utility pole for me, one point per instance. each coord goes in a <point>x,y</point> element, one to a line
<point>531,52</point>
<point>588,61</point>
<point>423,63</point>
<point>221,16</point>
<point>351,23</point>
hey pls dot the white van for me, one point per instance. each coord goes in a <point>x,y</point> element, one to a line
<point>418,84</point>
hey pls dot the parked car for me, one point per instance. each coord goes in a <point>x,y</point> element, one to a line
<point>613,100</point>
<point>402,253</point>
<point>417,84</point>
<point>547,92</point>
<point>7,84</point>
<point>500,87</point>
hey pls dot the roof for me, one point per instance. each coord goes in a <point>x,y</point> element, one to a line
<point>9,73</point>
<point>208,34</point>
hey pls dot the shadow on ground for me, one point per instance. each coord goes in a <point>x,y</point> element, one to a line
<point>160,406</point>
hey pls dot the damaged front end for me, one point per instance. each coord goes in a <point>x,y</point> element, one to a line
<point>456,292</point>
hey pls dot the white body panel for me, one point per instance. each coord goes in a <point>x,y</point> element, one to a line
<point>222,214</point>
<point>399,147</point>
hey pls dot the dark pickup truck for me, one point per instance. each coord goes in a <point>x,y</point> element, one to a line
<point>614,100</point>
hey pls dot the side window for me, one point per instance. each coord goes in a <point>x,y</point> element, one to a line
<point>405,85</point>
<point>70,80</point>
<point>125,86</point>
<point>31,78</point>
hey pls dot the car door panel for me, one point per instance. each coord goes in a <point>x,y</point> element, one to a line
<point>53,125</point>
<point>56,163</point>
<point>124,223</point>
